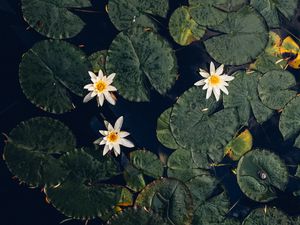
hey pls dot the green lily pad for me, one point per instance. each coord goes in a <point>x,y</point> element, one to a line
<point>297,192</point>
<point>243,95</point>
<point>183,28</point>
<point>134,178</point>
<point>274,88</point>
<point>197,128</point>
<point>182,166</point>
<point>273,9</point>
<point>262,216</point>
<point>81,195</point>
<point>261,174</point>
<point>289,123</point>
<point>136,216</point>
<point>50,71</point>
<point>169,198</point>
<point>141,59</point>
<point>98,60</point>
<point>163,130</point>
<point>53,18</point>
<point>32,149</point>
<point>127,13</point>
<point>147,162</point>
<point>238,32</point>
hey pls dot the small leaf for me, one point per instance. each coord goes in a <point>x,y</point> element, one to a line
<point>98,60</point>
<point>134,178</point>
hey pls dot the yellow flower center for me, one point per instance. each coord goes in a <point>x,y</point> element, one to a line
<point>112,136</point>
<point>100,86</point>
<point>214,80</point>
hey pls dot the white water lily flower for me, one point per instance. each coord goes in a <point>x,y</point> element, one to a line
<point>114,137</point>
<point>214,81</point>
<point>101,87</point>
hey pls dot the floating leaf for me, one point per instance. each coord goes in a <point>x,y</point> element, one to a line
<point>134,178</point>
<point>240,145</point>
<point>127,13</point>
<point>274,88</point>
<point>169,198</point>
<point>243,95</point>
<point>136,216</point>
<point>32,150</point>
<point>234,46</point>
<point>54,18</point>
<point>271,10</point>
<point>183,28</point>
<point>197,128</point>
<point>81,196</point>
<point>147,162</point>
<point>163,130</point>
<point>262,216</point>
<point>141,59</point>
<point>50,71</point>
<point>98,61</point>
<point>289,123</point>
<point>261,174</point>
<point>297,192</point>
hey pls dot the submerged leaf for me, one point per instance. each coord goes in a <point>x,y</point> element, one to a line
<point>98,61</point>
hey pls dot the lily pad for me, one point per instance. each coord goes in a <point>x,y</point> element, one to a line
<point>139,216</point>
<point>273,9</point>
<point>289,123</point>
<point>261,174</point>
<point>127,13</point>
<point>169,198</point>
<point>183,28</point>
<point>297,192</point>
<point>263,216</point>
<point>32,151</point>
<point>274,88</point>
<point>147,162</point>
<point>196,127</point>
<point>134,178</point>
<point>243,95</point>
<point>163,130</point>
<point>81,195</point>
<point>238,32</point>
<point>98,60</point>
<point>54,19</point>
<point>50,71</point>
<point>141,59</point>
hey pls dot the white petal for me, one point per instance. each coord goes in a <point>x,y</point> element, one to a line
<point>199,83</point>
<point>212,68</point>
<point>227,78</point>
<point>103,142</point>
<point>87,98</point>
<point>220,70</point>
<point>111,88</point>
<point>119,123</point>
<point>204,74</point>
<point>109,98</point>
<point>217,93</point>
<point>224,89</point>
<point>126,143</point>
<point>88,86</point>
<point>108,126</point>
<point>100,74</point>
<point>93,94</point>
<point>208,93</point>
<point>105,150</point>
<point>110,78</point>
<point>103,132</point>
<point>93,76</point>
<point>117,149</point>
<point>98,141</point>
<point>205,86</point>
<point>110,146</point>
<point>123,134</point>
<point>100,99</point>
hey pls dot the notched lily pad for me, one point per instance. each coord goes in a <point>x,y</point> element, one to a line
<point>50,71</point>
<point>142,60</point>
<point>261,174</point>
<point>169,198</point>
<point>54,19</point>
<point>32,149</point>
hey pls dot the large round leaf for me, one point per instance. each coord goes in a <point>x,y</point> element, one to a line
<point>50,71</point>
<point>197,128</point>
<point>183,28</point>
<point>274,88</point>
<point>32,147</point>
<point>81,195</point>
<point>127,13</point>
<point>243,36</point>
<point>273,9</point>
<point>53,18</point>
<point>262,216</point>
<point>136,216</point>
<point>289,123</point>
<point>141,59</point>
<point>243,95</point>
<point>261,174</point>
<point>169,198</point>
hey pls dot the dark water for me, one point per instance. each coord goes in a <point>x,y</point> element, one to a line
<point>22,206</point>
